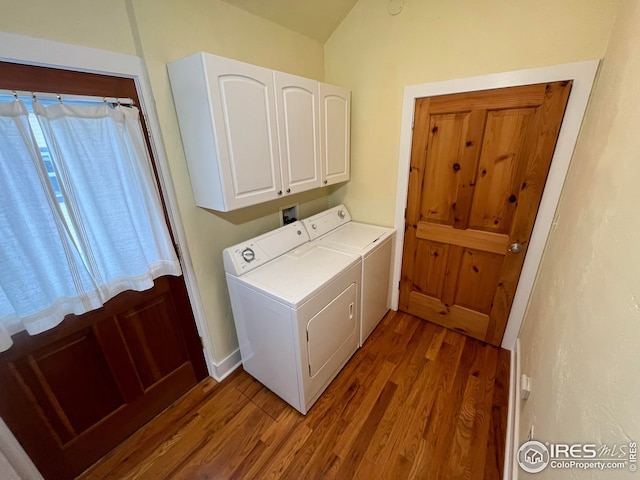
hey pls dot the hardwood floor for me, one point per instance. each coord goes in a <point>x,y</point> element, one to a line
<point>417,401</point>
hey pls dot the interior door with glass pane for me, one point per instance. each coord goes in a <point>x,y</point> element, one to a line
<point>71,394</point>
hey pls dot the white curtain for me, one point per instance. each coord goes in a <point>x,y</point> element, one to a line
<point>110,234</point>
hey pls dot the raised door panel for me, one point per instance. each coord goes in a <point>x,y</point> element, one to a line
<point>244,115</point>
<point>69,408</point>
<point>153,339</point>
<point>335,119</point>
<point>298,107</point>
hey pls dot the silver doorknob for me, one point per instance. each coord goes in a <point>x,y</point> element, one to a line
<point>515,248</point>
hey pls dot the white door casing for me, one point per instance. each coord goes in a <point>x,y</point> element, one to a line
<point>583,75</point>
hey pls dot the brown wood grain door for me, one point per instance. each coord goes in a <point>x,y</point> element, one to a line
<point>479,163</point>
<point>71,394</point>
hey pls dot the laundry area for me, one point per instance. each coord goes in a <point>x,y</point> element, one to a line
<point>299,305</point>
<point>388,232</point>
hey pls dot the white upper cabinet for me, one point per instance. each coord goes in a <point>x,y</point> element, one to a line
<point>251,134</point>
<point>335,121</point>
<point>227,118</point>
<point>298,107</point>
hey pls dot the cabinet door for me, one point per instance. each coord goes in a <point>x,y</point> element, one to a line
<point>298,105</point>
<point>244,115</point>
<point>335,117</point>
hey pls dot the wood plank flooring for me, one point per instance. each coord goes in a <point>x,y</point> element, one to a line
<point>417,401</point>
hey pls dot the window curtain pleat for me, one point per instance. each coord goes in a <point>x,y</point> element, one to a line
<point>42,277</point>
<point>111,235</point>
<point>104,169</point>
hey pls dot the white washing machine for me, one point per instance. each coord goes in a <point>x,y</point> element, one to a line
<point>374,244</point>
<point>296,310</point>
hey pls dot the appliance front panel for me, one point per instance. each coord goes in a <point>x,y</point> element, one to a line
<point>330,328</point>
<point>327,364</point>
<point>376,287</point>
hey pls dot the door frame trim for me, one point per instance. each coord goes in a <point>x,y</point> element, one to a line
<point>583,75</point>
<point>48,53</point>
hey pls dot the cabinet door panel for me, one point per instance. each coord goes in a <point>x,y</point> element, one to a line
<point>298,132</point>
<point>335,121</point>
<point>244,113</point>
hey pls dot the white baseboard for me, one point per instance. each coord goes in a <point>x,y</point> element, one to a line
<point>513,416</point>
<point>221,370</point>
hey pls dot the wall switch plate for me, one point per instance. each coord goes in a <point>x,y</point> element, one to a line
<point>525,386</point>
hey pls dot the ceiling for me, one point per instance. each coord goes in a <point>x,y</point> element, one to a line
<point>316,19</point>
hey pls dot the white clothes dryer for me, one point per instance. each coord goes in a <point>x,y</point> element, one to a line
<point>374,244</point>
<point>296,310</point>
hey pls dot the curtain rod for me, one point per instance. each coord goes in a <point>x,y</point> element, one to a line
<point>69,97</point>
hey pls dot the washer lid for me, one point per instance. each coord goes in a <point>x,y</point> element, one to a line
<point>356,236</point>
<point>297,275</point>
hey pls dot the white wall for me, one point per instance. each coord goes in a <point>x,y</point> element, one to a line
<point>579,342</point>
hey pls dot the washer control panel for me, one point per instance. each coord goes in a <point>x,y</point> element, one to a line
<point>324,222</point>
<point>246,256</point>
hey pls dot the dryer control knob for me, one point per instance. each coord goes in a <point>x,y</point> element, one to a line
<point>341,213</point>
<point>248,255</point>
<point>314,226</point>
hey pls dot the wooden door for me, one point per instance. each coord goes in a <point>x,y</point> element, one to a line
<point>297,106</point>
<point>71,394</point>
<point>335,132</point>
<point>479,163</point>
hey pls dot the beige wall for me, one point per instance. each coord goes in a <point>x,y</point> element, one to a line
<point>579,342</point>
<point>168,30</point>
<point>91,23</point>
<point>376,55</point>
